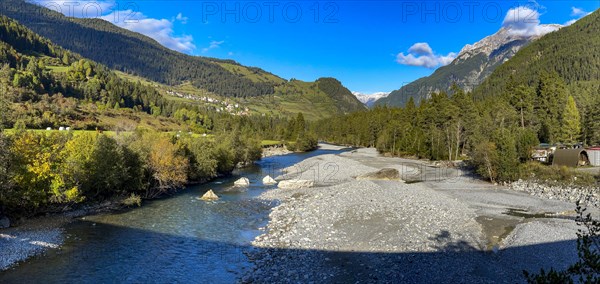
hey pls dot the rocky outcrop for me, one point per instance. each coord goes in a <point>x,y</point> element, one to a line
<point>242,182</point>
<point>209,196</point>
<point>275,151</point>
<point>295,184</point>
<point>268,180</point>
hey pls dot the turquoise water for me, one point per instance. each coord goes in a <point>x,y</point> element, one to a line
<point>178,239</point>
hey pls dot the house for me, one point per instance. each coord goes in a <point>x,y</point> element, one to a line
<point>594,156</point>
<point>543,153</point>
<point>570,157</point>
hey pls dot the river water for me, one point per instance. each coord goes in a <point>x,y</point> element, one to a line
<point>173,240</point>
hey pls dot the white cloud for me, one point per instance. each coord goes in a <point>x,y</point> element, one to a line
<point>160,30</point>
<point>213,44</point>
<point>421,54</point>
<point>570,22</point>
<point>525,21</point>
<point>578,12</point>
<point>181,18</point>
<point>421,48</point>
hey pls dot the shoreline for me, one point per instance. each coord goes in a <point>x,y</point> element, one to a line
<point>34,236</point>
<point>442,227</point>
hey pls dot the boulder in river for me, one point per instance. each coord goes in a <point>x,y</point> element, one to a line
<point>209,196</point>
<point>242,182</point>
<point>269,180</point>
<point>383,174</point>
<point>295,184</point>
<point>4,222</point>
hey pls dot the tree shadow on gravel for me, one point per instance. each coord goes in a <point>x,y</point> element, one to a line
<point>115,254</point>
<point>443,242</point>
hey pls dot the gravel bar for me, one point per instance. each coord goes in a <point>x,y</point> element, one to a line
<point>448,229</point>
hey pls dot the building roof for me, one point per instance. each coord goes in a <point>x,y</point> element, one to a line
<point>568,157</point>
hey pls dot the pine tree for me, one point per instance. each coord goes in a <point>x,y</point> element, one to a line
<point>551,98</point>
<point>571,122</point>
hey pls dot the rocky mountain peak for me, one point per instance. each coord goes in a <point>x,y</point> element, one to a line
<point>502,37</point>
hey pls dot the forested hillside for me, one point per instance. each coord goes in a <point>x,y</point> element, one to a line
<point>139,55</point>
<point>548,92</point>
<point>131,52</point>
<point>473,64</point>
<point>153,142</point>
<point>573,53</point>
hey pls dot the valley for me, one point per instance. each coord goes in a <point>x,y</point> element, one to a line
<point>153,151</point>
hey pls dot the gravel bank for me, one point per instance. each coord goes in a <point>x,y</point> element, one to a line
<point>275,151</point>
<point>445,228</point>
<point>32,238</point>
<point>39,234</point>
<point>586,196</point>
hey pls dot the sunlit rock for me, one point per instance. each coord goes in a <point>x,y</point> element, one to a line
<point>242,182</point>
<point>295,184</point>
<point>209,196</point>
<point>269,180</point>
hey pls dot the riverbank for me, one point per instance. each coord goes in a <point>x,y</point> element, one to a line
<point>275,151</point>
<point>442,226</point>
<point>36,235</point>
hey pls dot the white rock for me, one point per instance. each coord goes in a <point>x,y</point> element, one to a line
<point>295,184</point>
<point>209,196</point>
<point>269,180</point>
<point>242,182</point>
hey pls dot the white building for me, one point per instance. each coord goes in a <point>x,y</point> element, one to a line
<point>594,156</point>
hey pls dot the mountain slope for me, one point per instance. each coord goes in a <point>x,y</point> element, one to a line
<point>472,65</point>
<point>138,55</point>
<point>133,53</point>
<point>573,52</point>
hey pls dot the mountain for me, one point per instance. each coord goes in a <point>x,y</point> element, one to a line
<point>370,99</point>
<point>48,86</point>
<point>133,53</point>
<point>140,56</point>
<point>571,52</point>
<point>473,64</point>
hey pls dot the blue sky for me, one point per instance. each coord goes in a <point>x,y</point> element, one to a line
<point>370,46</point>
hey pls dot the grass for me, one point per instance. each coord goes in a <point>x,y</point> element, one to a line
<point>268,143</point>
<point>251,75</point>
<point>58,69</point>
<point>290,98</point>
<point>553,175</point>
<point>12,131</point>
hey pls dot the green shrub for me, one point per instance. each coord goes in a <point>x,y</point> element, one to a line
<point>554,175</point>
<point>132,200</point>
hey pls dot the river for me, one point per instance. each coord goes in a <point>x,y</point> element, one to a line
<point>175,239</point>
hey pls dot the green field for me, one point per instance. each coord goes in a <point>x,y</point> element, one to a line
<point>58,69</point>
<point>268,143</point>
